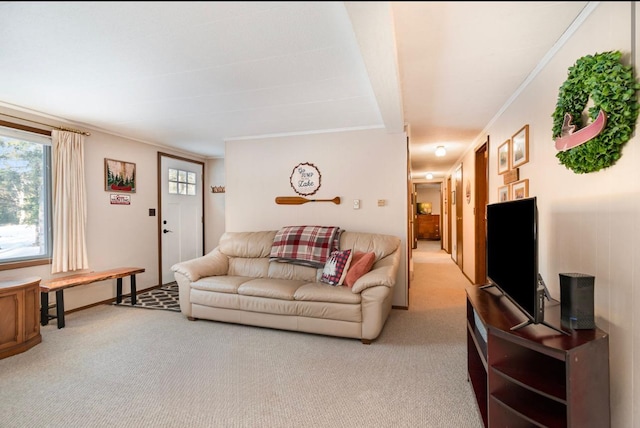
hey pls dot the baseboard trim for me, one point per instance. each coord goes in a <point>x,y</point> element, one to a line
<point>108,301</point>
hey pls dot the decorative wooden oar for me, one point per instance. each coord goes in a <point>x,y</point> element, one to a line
<point>299,200</point>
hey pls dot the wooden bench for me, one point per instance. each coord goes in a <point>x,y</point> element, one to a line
<point>59,284</point>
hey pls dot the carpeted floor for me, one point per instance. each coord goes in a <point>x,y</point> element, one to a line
<point>113,366</point>
<point>165,298</point>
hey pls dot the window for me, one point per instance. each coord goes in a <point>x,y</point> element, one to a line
<point>182,182</point>
<point>25,197</point>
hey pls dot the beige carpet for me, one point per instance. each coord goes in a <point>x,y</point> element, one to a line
<point>121,367</point>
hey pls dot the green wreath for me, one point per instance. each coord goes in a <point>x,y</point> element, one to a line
<point>612,88</point>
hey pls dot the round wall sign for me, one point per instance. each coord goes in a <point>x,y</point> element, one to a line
<point>305,179</point>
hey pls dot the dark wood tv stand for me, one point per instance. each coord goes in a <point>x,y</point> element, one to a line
<point>534,376</point>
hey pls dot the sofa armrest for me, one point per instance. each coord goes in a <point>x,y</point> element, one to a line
<point>380,276</point>
<point>385,272</point>
<point>211,264</point>
<point>376,305</point>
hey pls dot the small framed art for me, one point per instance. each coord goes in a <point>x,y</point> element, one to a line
<point>503,193</point>
<point>119,176</point>
<point>520,189</point>
<point>504,155</point>
<point>520,147</point>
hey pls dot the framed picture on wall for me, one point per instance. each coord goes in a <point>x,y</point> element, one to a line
<point>503,193</point>
<point>119,176</point>
<point>520,147</point>
<point>504,156</point>
<point>520,189</point>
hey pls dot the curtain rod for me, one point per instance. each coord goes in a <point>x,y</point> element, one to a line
<point>60,128</point>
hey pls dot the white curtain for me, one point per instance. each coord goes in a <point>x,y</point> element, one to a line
<point>69,202</point>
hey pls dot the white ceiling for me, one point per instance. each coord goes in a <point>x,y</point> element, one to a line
<point>192,75</point>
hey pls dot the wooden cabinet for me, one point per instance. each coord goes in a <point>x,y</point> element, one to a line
<point>428,226</point>
<point>19,315</point>
<point>534,376</point>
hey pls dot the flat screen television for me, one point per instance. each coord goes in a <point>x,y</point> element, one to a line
<point>512,257</point>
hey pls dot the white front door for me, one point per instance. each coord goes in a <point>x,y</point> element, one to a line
<point>181,212</point>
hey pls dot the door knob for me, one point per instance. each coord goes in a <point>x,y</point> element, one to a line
<point>167,231</point>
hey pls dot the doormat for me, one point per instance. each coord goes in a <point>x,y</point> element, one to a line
<point>165,298</point>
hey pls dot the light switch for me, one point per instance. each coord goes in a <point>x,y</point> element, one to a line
<point>356,204</point>
<point>381,202</point>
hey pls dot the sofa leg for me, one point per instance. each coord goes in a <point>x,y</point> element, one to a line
<point>366,341</point>
<point>192,319</point>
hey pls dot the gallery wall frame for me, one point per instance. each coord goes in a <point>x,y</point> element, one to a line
<point>520,189</point>
<point>520,147</point>
<point>504,157</point>
<point>503,193</point>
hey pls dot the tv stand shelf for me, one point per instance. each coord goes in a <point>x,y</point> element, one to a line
<point>534,376</point>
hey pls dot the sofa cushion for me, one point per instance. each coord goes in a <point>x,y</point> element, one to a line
<point>246,244</point>
<point>381,245</point>
<point>283,289</point>
<point>291,271</point>
<point>253,267</point>
<point>214,300</point>
<point>321,292</point>
<point>361,263</point>
<point>329,311</point>
<point>336,267</point>
<point>221,284</point>
<point>268,306</point>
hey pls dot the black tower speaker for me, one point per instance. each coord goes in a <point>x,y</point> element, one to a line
<point>576,301</point>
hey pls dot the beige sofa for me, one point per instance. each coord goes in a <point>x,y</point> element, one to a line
<point>237,283</point>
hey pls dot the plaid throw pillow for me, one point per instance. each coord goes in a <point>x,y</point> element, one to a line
<point>336,267</point>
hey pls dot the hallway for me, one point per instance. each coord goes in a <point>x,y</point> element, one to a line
<point>429,251</point>
<point>437,281</point>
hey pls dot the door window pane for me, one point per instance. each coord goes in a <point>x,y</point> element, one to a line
<point>182,182</point>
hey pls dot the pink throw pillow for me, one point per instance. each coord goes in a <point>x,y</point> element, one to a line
<point>361,263</point>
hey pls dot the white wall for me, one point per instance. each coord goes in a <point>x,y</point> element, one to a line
<point>457,178</point>
<point>588,223</point>
<point>214,204</point>
<point>117,235</point>
<point>468,216</point>
<point>430,193</point>
<point>364,165</point>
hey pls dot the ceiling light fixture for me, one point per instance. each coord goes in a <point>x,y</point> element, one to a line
<point>440,151</point>
<point>429,176</point>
